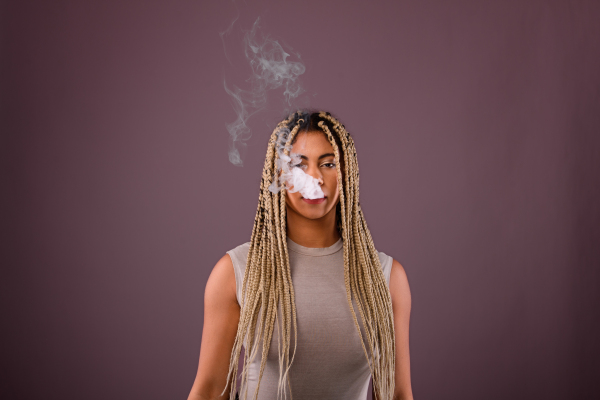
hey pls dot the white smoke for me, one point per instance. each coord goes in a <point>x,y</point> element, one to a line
<point>270,70</point>
<point>292,172</point>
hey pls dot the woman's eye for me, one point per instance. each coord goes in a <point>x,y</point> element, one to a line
<point>329,165</point>
<point>299,166</point>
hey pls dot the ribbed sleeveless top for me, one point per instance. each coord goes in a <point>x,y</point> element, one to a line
<point>330,362</point>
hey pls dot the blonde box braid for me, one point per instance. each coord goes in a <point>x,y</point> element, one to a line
<point>267,285</point>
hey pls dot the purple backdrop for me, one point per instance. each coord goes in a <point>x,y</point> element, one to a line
<point>476,126</point>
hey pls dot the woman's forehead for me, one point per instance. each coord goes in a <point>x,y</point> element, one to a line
<point>311,142</point>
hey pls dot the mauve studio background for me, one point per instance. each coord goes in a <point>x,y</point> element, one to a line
<point>476,126</point>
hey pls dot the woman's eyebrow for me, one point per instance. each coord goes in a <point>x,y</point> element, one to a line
<point>321,156</point>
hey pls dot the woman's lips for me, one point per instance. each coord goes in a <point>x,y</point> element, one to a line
<point>315,201</point>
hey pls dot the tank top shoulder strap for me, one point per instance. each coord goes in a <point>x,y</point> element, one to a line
<point>239,256</point>
<point>386,265</point>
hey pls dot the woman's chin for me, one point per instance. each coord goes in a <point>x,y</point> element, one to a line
<point>313,211</point>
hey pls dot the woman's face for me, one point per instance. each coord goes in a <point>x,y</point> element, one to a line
<point>318,161</point>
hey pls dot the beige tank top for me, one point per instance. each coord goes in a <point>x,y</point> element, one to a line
<point>330,362</point>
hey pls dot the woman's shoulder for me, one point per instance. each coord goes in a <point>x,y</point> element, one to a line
<point>243,245</point>
<point>240,252</point>
<point>238,255</point>
<point>386,265</point>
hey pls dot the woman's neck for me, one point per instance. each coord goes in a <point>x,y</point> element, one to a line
<point>306,232</point>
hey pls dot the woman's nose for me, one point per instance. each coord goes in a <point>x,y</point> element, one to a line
<point>317,175</point>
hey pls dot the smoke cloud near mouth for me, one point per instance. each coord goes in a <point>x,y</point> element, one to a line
<point>289,171</point>
<point>271,68</point>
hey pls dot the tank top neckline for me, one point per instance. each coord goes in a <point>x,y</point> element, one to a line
<point>314,251</point>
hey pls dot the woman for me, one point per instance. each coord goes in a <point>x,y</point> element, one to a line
<point>298,284</point>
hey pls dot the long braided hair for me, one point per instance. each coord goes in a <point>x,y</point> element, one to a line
<point>267,283</point>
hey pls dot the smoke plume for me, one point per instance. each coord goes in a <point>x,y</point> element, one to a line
<point>270,70</point>
<point>290,173</point>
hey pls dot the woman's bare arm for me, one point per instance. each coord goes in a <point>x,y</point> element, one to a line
<point>401,304</point>
<point>221,316</point>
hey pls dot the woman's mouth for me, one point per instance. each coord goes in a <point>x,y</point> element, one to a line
<point>315,201</point>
